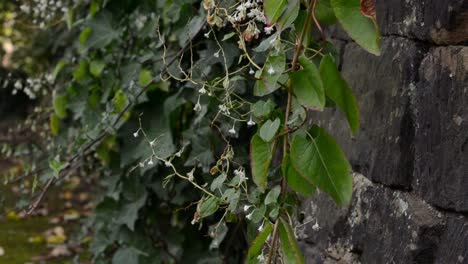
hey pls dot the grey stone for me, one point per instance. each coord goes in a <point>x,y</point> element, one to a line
<point>438,21</point>
<point>380,226</point>
<point>382,149</point>
<point>441,137</point>
<point>454,242</point>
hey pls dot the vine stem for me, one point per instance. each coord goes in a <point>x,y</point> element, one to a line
<point>294,67</point>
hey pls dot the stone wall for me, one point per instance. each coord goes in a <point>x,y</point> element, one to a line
<point>410,201</point>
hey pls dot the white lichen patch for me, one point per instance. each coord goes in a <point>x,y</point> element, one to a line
<point>357,215</point>
<point>401,205</point>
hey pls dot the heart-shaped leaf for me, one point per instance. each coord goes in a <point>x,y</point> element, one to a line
<point>269,129</point>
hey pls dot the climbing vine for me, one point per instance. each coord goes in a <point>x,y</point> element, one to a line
<point>196,116</point>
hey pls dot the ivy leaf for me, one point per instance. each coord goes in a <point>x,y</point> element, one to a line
<point>271,72</point>
<point>291,252</point>
<point>261,153</point>
<point>120,100</point>
<point>54,123</point>
<point>339,91</point>
<point>295,180</point>
<point>96,67</point>
<point>307,85</point>
<point>273,9</point>
<point>218,182</point>
<point>57,166</point>
<point>258,214</point>
<point>127,255</point>
<point>257,244</point>
<point>102,32</point>
<point>81,71</point>
<point>273,195</point>
<point>262,108</point>
<point>269,129</point>
<point>362,29</point>
<point>144,78</point>
<point>208,206</point>
<point>60,106</point>
<point>319,159</point>
<point>129,212</point>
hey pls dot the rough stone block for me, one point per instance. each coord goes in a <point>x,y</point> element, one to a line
<point>380,226</point>
<point>441,120</point>
<point>454,242</point>
<point>438,21</point>
<point>382,149</point>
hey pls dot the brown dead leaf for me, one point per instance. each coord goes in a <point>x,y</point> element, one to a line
<point>368,9</point>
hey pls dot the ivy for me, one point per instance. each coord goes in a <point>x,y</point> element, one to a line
<point>196,116</point>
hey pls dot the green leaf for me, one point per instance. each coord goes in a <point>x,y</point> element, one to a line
<point>258,214</point>
<point>120,101</point>
<point>96,67</point>
<point>262,108</point>
<point>261,153</point>
<point>339,91</point>
<point>58,68</point>
<point>291,252</point>
<point>273,195</point>
<point>289,15</point>
<point>102,32</point>
<point>145,78</point>
<point>228,36</point>
<point>70,17</point>
<point>129,211</point>
<point>362,29</point>
<point>319,159</point>
<point>218,182</point>
<point>271,72</point>
<point>273,9</point>
<point>324,13</point>
<point>81,71</point>
<point>208,206</point>
<point>127,255</point>
<point>257,244</point>
<point>60,106</point>
<point>84,35</point>
<point>54,123</point>
<point>295,180</point>
<point>299,24</point>
<point>269,129</point>
<point>307,85</point>
<point>57,166</point>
